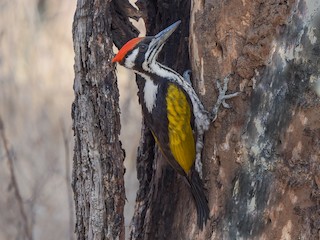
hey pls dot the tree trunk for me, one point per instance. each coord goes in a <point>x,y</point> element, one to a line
<point>261,157</point>
<point>98,158</point>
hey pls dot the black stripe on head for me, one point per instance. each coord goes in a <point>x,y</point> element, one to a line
<point>143,49</point>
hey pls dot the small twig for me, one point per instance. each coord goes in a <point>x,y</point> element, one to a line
<point>14,183</point>
<point>68,178</point>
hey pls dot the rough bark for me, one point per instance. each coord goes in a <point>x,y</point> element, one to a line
<point>98,158</point>
<point>264,156</point>
<point>261,158</point>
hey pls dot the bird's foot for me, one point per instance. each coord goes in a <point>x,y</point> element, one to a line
<point>222,97</point>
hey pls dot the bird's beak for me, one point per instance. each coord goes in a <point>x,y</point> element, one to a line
<point>159,39</point>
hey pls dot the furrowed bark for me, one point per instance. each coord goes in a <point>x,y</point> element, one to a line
<point>98,170</point>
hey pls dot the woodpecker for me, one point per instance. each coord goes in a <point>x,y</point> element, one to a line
<point>172,111</point>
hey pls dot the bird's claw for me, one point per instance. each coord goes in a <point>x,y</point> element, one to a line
<point>222,97</point>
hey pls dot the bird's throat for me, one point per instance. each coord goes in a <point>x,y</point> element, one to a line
<point>150,91</point>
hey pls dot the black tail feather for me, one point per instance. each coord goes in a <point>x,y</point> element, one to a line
<point>197,190</point>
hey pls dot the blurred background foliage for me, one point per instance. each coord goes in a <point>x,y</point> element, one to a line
<point>36,78</point>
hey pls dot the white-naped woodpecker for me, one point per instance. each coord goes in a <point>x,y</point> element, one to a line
<point>172,111</point>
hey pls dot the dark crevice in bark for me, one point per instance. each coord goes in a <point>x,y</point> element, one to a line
<point>160,187</point>
<point>122,29</point>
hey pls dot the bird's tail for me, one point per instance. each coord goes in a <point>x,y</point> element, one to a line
<point>197,190</point>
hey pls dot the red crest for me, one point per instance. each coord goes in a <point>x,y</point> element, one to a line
<point>126,48</point>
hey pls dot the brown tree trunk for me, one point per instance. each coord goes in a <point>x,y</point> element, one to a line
<point>98,158</point>
<point>261,158</point>
<point>264,155</point>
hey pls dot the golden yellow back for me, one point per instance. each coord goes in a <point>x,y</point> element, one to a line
<point>181,139</point>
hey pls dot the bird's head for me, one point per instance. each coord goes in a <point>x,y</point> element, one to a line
<point>139,53</point>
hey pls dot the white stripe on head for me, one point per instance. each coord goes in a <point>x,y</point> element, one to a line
<point>130,59</point>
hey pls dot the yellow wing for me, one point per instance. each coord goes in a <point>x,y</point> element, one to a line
<point>181,139</point>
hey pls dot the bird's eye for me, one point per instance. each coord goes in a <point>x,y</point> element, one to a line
<point>143,48</point>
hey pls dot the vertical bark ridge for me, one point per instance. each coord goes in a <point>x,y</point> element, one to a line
<point>98,170</point>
